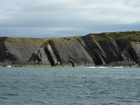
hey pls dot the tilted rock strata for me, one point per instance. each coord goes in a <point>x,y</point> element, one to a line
<point>90,50</point>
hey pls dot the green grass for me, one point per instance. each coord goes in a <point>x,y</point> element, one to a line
<point>134,36</point>
<point>25,41</point>
<point>62,40</point>
<point>98,37</point>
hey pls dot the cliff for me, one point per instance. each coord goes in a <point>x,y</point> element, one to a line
<point>116,48</point>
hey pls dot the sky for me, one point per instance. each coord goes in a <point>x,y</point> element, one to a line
<point>64,18</point>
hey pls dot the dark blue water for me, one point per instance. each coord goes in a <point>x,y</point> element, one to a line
<point>69,86</point>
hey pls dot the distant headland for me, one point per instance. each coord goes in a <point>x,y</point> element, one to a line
<point>104,49</point>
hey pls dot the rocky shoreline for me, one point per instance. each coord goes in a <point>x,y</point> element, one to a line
<point>104,49</point>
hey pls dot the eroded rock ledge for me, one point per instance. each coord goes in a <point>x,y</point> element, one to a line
<point>111,49</point>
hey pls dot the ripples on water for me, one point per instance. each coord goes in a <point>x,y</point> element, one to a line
<point>69,86</point>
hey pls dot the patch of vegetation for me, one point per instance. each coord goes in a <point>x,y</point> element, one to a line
<point>25,41</point>
<point>98,37</point>
<point>62,40</point>
<point>55,40</point>
<point>133,36</point>
<point>74,38</point>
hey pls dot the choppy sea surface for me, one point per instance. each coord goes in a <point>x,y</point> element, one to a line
<point>69,86</point>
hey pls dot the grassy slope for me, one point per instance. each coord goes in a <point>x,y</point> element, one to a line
<point>133,35</point>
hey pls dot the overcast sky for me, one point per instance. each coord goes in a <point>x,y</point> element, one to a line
<point>62,18</point>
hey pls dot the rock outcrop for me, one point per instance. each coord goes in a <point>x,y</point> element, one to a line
<point>121,49</point>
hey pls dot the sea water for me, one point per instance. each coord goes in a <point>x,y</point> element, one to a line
<point>69,86</point>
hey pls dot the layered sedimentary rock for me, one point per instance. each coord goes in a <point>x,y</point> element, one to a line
<point>122,48</point>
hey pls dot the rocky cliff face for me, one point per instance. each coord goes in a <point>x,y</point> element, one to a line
<point>121,48</point>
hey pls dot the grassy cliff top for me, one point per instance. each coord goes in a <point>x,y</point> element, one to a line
<point>132,35</point>
<point>26,41</point>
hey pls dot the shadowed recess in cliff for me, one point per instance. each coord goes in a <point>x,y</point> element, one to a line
<point>55,52</point>
<point>5,55</point>
<point>123,46</point>
<point>3,49</point>
<point>108,50</point>
<point>115,50</point>
<point>36,56</point>
<point>49,56</point>
<point>92,49</point>
<point>72,63</point>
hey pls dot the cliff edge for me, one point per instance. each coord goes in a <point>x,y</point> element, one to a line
<point>113,49</point>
